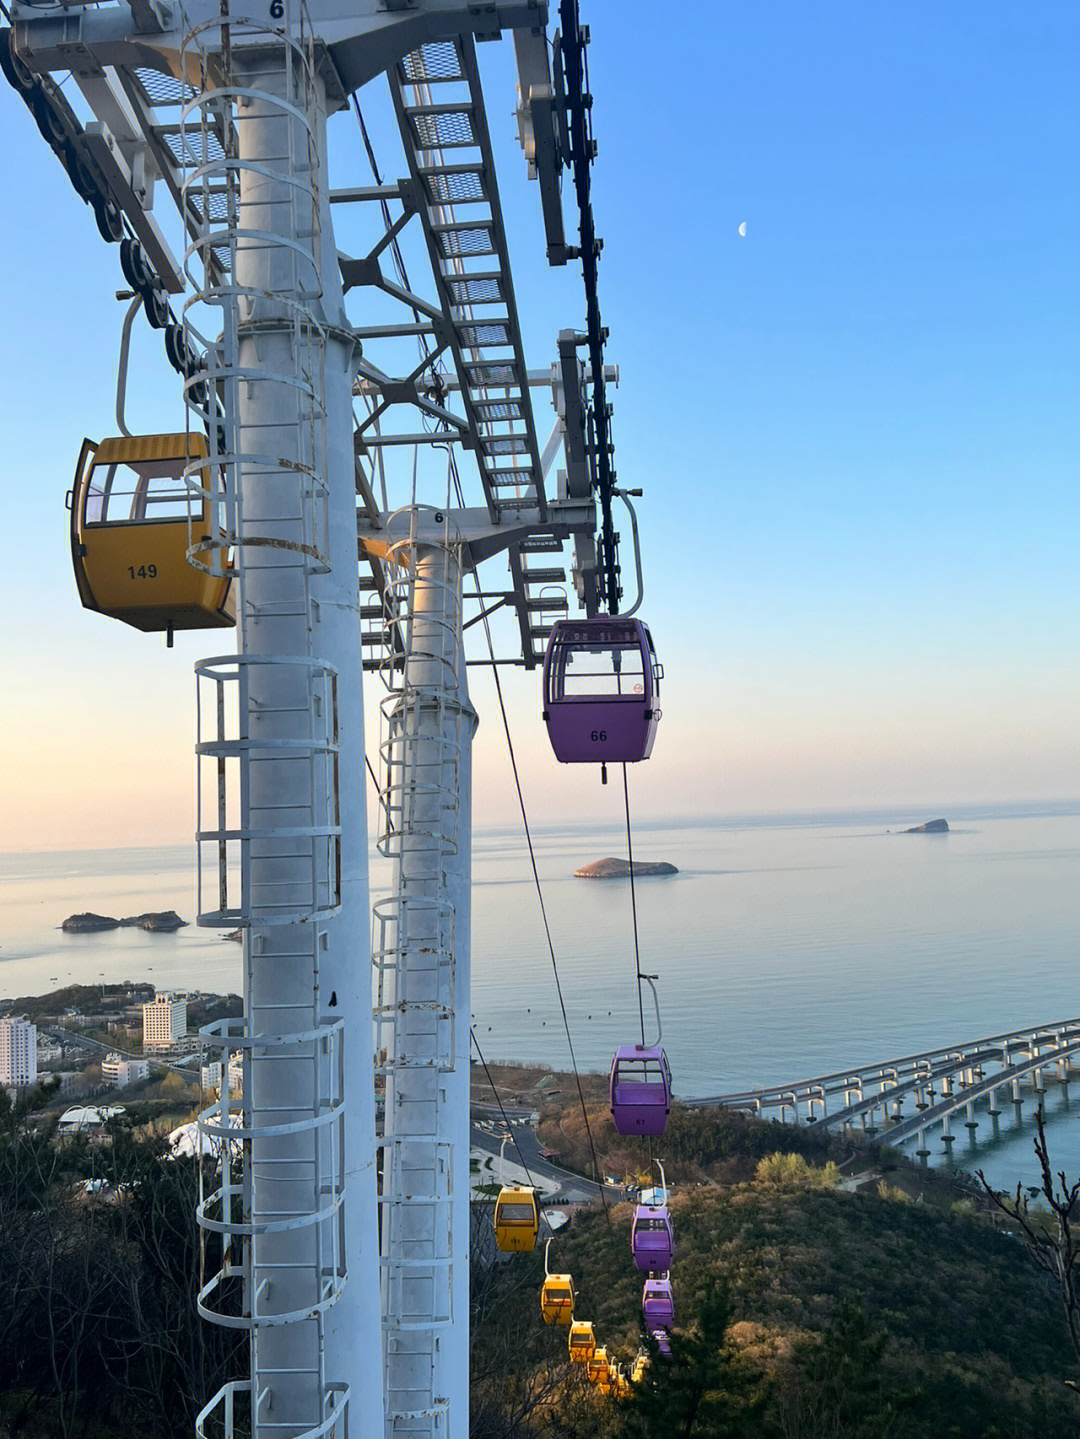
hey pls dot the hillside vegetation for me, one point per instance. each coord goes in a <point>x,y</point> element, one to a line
<point>806,1308</point>
<point>887,1311</point>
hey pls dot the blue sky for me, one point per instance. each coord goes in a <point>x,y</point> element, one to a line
<point>857,427</point>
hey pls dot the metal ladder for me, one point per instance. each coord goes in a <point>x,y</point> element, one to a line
<point>413,951</point>
<point>268,830</point>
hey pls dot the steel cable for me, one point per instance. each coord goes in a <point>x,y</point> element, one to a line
<point>633,905</point>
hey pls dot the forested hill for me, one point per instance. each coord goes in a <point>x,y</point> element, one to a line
<point>817,1296</point>
<point>807,1305</point>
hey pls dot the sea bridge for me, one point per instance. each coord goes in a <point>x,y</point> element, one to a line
<point>940,1084</point>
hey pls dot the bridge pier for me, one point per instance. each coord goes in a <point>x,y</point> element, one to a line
<point>872,1100</point>
<point>947,1136</point>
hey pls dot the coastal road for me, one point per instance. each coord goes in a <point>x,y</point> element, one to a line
<point>83,1041</point>
<point>571,1188</point>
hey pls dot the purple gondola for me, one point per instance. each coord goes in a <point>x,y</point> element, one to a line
<point>658,1304</point>
<point>663,1343</point>
<point>652,1238</point>
<point>640,1089</point>
<point>601,686</point>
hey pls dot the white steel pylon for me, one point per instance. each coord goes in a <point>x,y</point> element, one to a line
<point>224,110</point>
<point>421,954</point>
<point>282,817</point>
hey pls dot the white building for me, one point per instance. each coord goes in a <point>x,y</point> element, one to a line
<point>211,1074</point>
<point>18,1051</point>
<point>81,1118</point>
<point>164,1021</point>
<point>118,1070</point>
<point>48,1052</point>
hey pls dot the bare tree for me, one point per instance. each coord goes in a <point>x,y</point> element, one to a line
<point>1054,1246</point>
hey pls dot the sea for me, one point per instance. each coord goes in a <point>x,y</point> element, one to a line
<point>786,946</point>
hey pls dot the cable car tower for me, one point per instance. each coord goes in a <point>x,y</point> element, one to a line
<point>295,385</point>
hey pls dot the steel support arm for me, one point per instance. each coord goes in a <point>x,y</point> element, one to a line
<point>363,37</point>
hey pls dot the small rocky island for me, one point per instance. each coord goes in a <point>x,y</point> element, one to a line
<point>165,921</point>
<point>932,826</point>
<point>612,868</point>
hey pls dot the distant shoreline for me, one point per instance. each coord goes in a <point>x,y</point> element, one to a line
<point>760,819</point>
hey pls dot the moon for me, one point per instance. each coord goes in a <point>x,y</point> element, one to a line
<point>742,228</point>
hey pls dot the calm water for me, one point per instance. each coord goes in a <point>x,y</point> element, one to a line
<point>784,947</point>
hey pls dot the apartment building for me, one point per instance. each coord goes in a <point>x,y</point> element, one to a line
<point>18,1052</point>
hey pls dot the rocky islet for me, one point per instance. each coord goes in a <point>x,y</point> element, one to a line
<point>164,921</point>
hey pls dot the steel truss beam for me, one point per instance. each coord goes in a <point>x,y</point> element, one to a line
<point>452,193</point>
<point>125,62</point>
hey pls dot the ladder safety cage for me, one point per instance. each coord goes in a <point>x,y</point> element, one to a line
<point>413,941</point>
<point>229,1412</point>
<point>425,721</point>
<point>420,780</point>
<point>276,442</point>
<point>231,830</point>
<point>417,1175</point>
<point>230,1297</point>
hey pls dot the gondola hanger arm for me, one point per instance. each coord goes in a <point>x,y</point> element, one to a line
<point>624,495</point>
<point>663,1180</point>
<point>122,364</point>
<point>650,980</point>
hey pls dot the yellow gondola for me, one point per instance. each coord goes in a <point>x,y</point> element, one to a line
<point>130,533</point>
<point>641,1363</point>
<point>517,1220</point>
<point>620,1384</point>
<point>581,1341</point>
<point>557,1295</point>
<point>598,1369</point>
